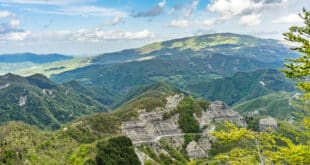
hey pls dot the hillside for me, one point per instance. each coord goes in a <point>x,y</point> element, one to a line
<point>181,62</point>
<point>18,63</point>
<point>236,45</point>
<point>279,105</point>
<point>175,131</point>
<point>51,68</point>
<point>38,101</point>
<point>82,140</point>
<point>243,86</point>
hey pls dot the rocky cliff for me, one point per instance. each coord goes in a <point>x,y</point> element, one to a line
<point>152,130</point>
<point>219,111</point>
<point>150,126</point>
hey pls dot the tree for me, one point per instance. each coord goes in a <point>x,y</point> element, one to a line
<point>247,146</point>
<point>117,150</point>
<point>300,68</point>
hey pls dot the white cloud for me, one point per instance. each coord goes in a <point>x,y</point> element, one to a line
<point>193,6</point>
<point>94,11</point>
<point>162,4</point>
<point>208,22</point>
<point>152,12</point>
<point>116,35</point>
<point>230,8</point>
<point>288,19</point>
<point>185,10</point>
<point>250,20</point>
<point>14,36</point>
<point>6,14</point>
<point>83,11</point>
<point>116,20</point>
<point>88,35</point>
<point>179,23</point>
<point>14,23</point>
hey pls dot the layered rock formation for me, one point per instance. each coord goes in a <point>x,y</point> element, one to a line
<point>219,111</point>
<point>150,126</point>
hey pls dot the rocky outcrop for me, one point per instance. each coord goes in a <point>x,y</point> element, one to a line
<point>4,86</point>
<point>22,101</point>
<point>194,150</point>
<point>219,111</point>
<point>150,126</point>
<point>267,124</point>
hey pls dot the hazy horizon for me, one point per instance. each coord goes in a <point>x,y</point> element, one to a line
<point>92,27</point>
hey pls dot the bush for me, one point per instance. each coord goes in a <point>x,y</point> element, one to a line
<point>117,150</point>
<point>187,108</point>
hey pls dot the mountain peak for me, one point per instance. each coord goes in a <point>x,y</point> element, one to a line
<point>41,81</point>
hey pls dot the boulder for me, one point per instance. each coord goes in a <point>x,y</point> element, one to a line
<point>267,124</point>
<point>194,150</point>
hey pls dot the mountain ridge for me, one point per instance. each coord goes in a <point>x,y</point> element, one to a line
<point>38,101</point>
<point>32,57</point>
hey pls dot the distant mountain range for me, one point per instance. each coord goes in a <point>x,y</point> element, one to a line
<point>229,67</point>
<point>181,62</point>
<point>165,97</point>
<point>31,57</point>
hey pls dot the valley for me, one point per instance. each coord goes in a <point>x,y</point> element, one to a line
<point>193,99</point>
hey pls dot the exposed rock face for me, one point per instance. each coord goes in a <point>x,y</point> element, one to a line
<point>142,156</point>
<point>267,124</point>
<point>194,150</point>
<point>253,113</point>
<point>22,101</point>
<point>4,86</point>
<point>199,149</point>
<point>219,111</point>
<point>150,127</point>
<point>48,92</point>
<point>173,101</point>
<point>175,141</point>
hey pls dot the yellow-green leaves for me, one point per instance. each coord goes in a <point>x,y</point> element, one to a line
<point>234,134</point>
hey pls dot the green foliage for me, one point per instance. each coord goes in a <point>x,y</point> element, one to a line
<point>188,138</point>
<point>259,147</point>
<point>93,127</point>
<point>148,151</point>
<point>243,86</point>
<point>157,92</point>
<point>34,146</point>
<point>270,105</point>
<point>38,101</point>
<point>187,108</point>
<point>178,157</point>
<point>57,67</point>
<point>253,122</point>
<point>300,67</point>
<point>117,150</point>
<point>165,159</point>
<point>219,55</point>
<point>295,133</point>
<point>82,155</point>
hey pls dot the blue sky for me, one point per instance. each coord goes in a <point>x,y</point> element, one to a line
<point>90,27</point>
